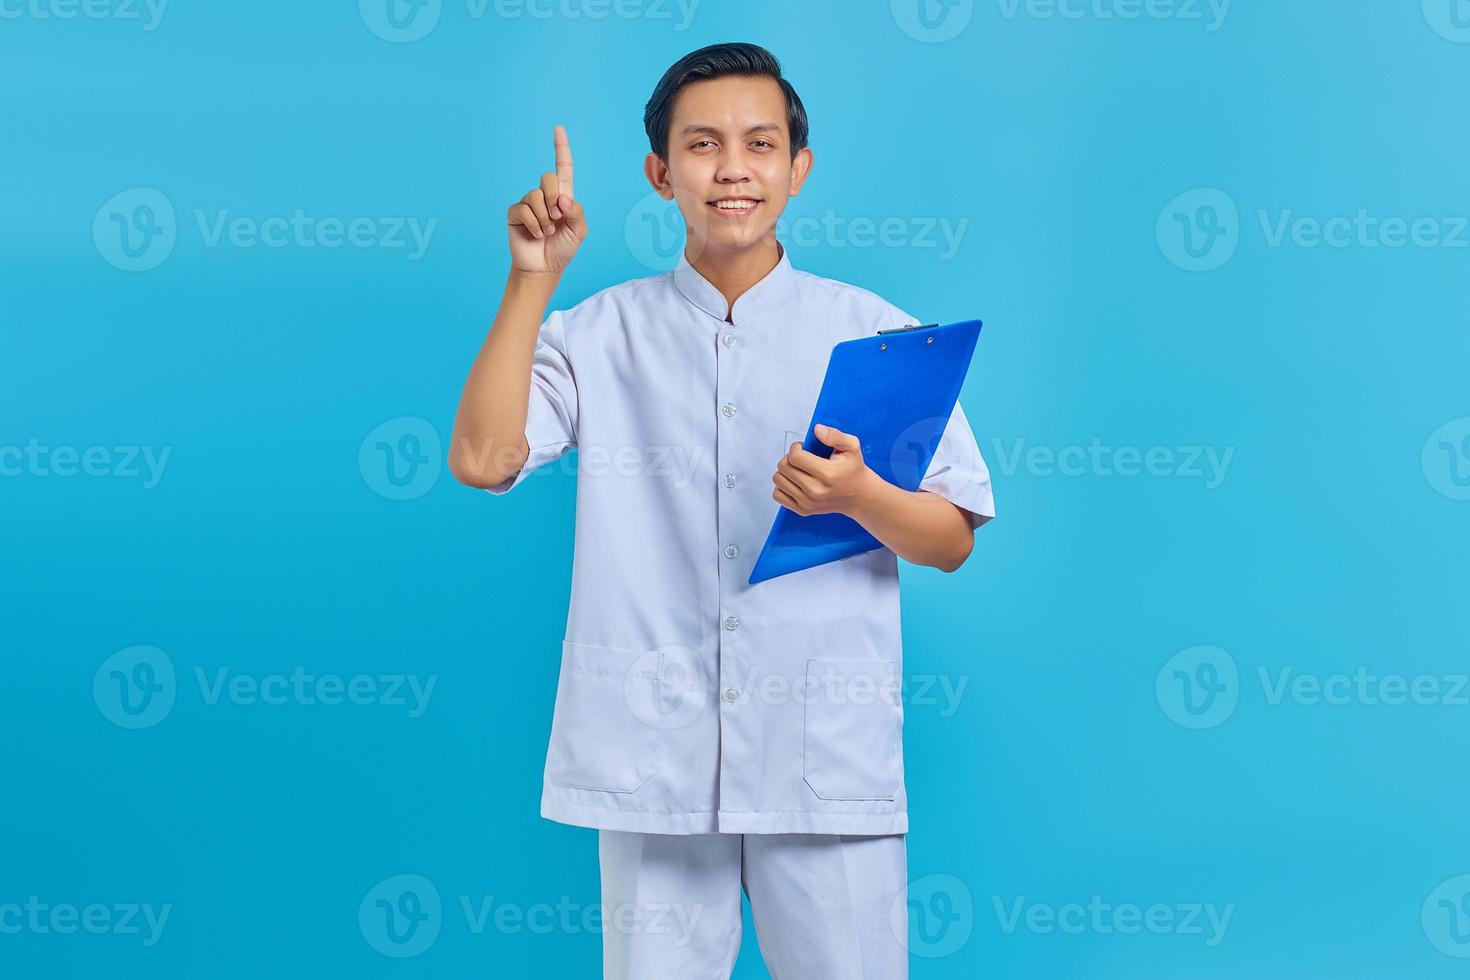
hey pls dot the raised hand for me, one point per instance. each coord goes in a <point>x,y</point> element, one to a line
<point>547,226</point>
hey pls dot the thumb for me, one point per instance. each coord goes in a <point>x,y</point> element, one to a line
<point>572,214</point>
<point>837,439</point>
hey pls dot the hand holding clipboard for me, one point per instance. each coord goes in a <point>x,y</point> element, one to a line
<point>895,391</point>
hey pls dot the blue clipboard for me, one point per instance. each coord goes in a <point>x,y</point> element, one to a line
<point>895,391</point>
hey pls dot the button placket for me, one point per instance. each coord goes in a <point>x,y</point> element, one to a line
<point>725,439</point>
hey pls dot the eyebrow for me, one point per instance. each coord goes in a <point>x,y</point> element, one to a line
<point>703,128</point>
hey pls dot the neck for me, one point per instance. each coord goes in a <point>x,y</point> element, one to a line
<point>732,273</point>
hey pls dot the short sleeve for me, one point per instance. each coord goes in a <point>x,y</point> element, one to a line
<point>551,412</point>
<point>958,472</point>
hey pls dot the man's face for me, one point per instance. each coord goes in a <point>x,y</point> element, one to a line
<point>730,167</point>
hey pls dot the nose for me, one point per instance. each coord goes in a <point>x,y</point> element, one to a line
<point>733,167</point>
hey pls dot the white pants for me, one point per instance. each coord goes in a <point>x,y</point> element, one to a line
<point>825,906</point>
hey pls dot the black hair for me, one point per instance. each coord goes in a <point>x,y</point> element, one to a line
<point>717,61</point>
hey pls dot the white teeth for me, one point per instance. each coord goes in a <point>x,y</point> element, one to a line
<point>735,205</point>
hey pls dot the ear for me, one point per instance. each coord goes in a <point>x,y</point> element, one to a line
<point>657,173</point>
<point>800,167</point>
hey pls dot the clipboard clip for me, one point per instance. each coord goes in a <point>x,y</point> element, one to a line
<point>911,326</point>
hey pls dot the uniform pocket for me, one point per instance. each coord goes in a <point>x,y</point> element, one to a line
<point>604,728</point>
<point>852,729</point>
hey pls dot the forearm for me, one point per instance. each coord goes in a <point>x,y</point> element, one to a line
<point>920,527</point>
<point>489,440</point>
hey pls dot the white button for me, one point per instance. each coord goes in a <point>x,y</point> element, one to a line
<point>730,479</point>
<point>731,623</point>
<point>731,551</point>
<point>728,339</point>
<point>732,695</point>
<point>728,408</point>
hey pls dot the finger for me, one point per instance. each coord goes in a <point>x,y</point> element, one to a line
<point>803,482</point>
<point>809,463</point>
<point>521,214</point>
<point>537,202</point>
<point>563,159</point>
<point>786,500</point>
<point>838,439</point>
<point>788,486</point>
<point>576,220</point>
<point>551,191</point>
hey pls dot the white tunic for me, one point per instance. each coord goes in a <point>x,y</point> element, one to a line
<point>688,701</point>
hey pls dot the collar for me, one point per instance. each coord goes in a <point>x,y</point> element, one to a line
<point>758,299</point>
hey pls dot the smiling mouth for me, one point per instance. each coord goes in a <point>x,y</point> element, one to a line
<point>734,207</point>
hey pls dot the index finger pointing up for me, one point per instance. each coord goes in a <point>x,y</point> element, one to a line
<point>563,160</point>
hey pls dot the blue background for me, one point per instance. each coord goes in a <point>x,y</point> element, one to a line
<point>1077,763</point>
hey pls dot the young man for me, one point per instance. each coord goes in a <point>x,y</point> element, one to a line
<point>719,735</point>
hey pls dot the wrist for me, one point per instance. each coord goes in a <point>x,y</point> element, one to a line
<point>526,281</point>
<point>872,489</point>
